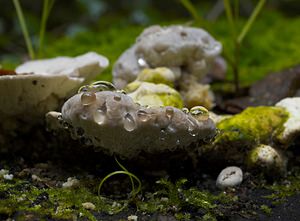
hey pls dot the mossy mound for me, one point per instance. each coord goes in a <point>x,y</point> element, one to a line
<point>253,126</point>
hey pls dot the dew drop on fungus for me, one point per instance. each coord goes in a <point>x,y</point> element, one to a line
<point>200,113</point>
<point>84,88</point>
<point>185,110</point>
<point>142,63</point>
<point>129,122</point>
<point>162,135</point>
<point>117,97</point>
<point>83,116</point>
<point>79,132</point>
<point>143,115</point>
<point>99,117</point>
<point>103,86</point>
<point>169,112</point>
<point>88,98</point>
<point>192,128</point>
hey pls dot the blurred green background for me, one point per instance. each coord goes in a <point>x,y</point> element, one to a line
<point>110,26</point>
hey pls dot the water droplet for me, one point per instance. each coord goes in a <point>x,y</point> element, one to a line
<point>84,88</point>
<point>117,97</point>
<point>103,86</point>
<point>185,110</point>
<point>83,116</point>
<point>142,63</point>
<point>121,91</point>
<point>163,135</point>
<point>88,98</point>
<point>178,142</point>
<point>79,132</point>
<point>65,125</point>
<point>88,141</point>
<point>192,127</point>
<point>143,115</point>
<point>129,122</point>
<point>200,113</point>
<point>99,117</point>
<point>169,112</point>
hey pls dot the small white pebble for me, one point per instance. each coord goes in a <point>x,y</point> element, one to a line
<point>71,183</point>
<point>89,206</point>
<point>8,176</point>
<point>132,218</point>
<point>3,172</point>
<point>35,178</point>
<point>229,177</point>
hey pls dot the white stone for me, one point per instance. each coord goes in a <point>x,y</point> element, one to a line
<point>229,177</point>
<point>292,125</point>
<point>88,206</point>
<point>267,158</point>
<point>8,176</point>
<point>3,172</point>
<point>71,183</point>
<point>132,218</point>
<point>174,47</point>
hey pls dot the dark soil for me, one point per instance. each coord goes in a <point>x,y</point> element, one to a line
<point>83,163</point>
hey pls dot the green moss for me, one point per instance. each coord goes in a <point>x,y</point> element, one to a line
<point>151,94</point>
<point>253,126</point>
<point>58,203</point>
<point>157,76</point>
<point>267,210</point>
<point>174,198</point>
<point>282,191</point>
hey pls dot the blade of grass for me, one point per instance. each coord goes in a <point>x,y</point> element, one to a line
<point>24,28</point>
<point>229,15</point>
<point>250,21</point>
<point>192,10</point>
<point>122,167</point>
<point>47,6</point>
<point>133,192</point>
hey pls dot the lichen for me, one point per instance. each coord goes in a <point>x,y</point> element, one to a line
<point>255,125</point>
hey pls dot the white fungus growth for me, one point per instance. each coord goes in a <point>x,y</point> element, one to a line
<point>41,85</point>
<point>184,50</point>
<point>114,123</point>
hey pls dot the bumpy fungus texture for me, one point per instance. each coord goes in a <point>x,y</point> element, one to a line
<point>113,122</point>
<point>184,50</point>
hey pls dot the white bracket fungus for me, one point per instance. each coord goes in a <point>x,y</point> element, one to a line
<point>39,86</point>
<point>182,49</point>
<point>113,122</point>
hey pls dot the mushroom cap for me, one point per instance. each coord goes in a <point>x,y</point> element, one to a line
<point>39,86</point>
<point>113,122</point>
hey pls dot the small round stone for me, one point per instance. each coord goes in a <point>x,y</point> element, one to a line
<point>229,177</point>
<point>88,206</point>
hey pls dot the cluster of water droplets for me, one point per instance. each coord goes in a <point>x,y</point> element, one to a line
<point>198,113</point>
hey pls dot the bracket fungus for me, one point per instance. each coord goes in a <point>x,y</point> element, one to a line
<point>185,50</point>
<point>112,122</point>
<point>39,86</point>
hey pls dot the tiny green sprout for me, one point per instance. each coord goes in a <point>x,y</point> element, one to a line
<point>132,177</point>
